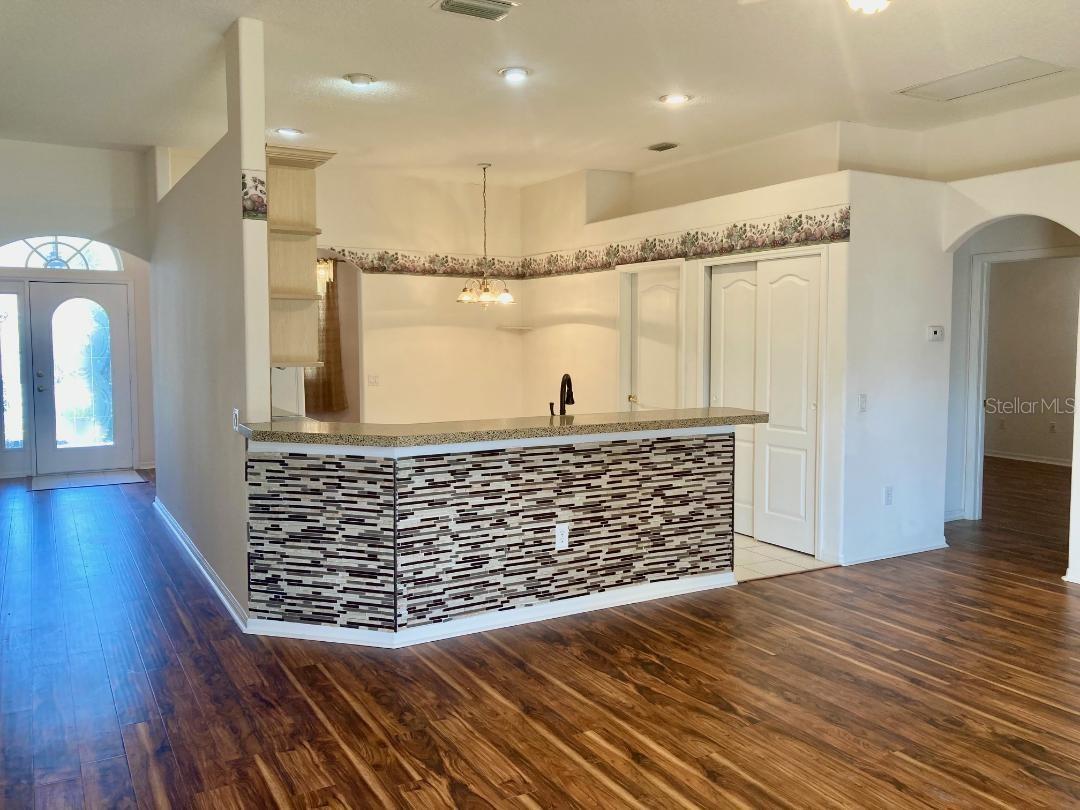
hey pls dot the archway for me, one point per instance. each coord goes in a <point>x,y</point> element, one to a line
<point>1002,241</point>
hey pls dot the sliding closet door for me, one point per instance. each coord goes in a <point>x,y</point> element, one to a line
<point>785,449</point>
<point>731,375</point>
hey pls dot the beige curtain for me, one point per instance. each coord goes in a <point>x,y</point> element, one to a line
<point>324,386</point>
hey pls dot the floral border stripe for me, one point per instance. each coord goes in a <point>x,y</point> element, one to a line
<point>254,199</point>
<point>790,230</point>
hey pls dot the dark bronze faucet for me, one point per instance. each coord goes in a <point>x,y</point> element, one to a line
<point>566,395</point>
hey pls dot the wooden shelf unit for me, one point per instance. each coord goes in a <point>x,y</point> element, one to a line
<point>292,253</point>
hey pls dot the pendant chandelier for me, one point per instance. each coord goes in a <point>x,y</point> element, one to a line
<point>485,290</point>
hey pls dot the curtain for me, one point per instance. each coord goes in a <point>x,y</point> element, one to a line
<point>324,386</point>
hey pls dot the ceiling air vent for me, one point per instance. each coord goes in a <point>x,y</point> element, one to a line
<point>982,80</point>
<point>484,9</point>
<point>663,146</point>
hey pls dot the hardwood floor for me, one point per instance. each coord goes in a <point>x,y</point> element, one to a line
<point>950,678</point>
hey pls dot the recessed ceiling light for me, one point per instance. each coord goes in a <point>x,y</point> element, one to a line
<point>515,75</point>
<point>360,79</point>
<point>675,99</point>
<point>868,6</point>
<point>289,132</point>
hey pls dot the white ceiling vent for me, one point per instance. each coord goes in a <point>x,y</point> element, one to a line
<point>483,9</point>
<point>981,80</point>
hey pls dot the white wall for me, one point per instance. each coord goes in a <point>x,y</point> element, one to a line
<point>372,208</point>
<point>101,194</point>
<point>1031,356</point>
<point>1011,234</point>
<point>199,369</point>
<point>434,359</point>
<point>791,156</point>
<point>210,310</point>
<point>899,282</point>
<point>573,328</point>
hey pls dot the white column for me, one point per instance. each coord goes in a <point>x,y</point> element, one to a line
<point>246,92</point>
<point>1073,572</point>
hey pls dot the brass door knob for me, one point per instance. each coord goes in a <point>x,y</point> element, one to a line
<point>632,398</point>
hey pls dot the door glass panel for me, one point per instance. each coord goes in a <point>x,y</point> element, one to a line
<point>82,374</point>
<point>11,371</point>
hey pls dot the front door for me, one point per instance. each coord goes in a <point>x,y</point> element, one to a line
<point>80,376</point>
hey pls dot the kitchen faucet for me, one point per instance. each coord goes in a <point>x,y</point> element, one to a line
<point>566,395</point>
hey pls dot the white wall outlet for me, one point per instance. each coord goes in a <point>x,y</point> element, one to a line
<point>236,419</point>
<point>863,402</point>
<point>562,536</point>
<point>373,380</point>
<point>887,496</point>
<point>935,333</point>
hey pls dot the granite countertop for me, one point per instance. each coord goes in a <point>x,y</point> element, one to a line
<point>363,434</point>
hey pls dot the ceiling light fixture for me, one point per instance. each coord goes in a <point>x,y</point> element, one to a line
<point>868,6</point>
<point>360,79</point>
<point>675,99</point>
<point>289,132</point>
<point>485,290</point>
<point>515,75</point>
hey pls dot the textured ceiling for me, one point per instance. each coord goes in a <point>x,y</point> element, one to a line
<point>141,72</point>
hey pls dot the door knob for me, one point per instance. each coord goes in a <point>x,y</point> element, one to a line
<point>41,388</point>
<point>632,398</point>
<point>40,374</point>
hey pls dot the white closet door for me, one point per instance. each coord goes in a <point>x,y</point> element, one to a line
<point>655,379</point>
<point>785,452</point>
<point>733,337</point>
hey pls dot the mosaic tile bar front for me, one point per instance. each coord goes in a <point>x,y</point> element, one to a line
<point>389,544</point>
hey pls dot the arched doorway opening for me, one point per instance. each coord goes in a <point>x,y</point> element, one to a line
<point>68,357</point>
<point>1016,293</point>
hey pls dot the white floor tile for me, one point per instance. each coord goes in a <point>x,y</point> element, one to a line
<point>746,556</point>
<point>772,568</point>
<point>742,541</point>
<point>744,574</point>
<point>779,553</point>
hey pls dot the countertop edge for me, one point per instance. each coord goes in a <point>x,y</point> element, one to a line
<point>406,439</point>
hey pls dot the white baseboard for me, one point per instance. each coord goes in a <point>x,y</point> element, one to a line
<point>1057,462</point>
<point>934,545</point>
<point>232,605</point>
<point>1072,575</point>
<point>493,620</point>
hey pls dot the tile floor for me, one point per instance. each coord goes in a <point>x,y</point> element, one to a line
<point>86,479</point>
<point>755,560</point>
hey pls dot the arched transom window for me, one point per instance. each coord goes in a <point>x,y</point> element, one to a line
<point>59,253</point>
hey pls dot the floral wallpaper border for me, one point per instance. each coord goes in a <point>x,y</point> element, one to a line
<point>789,230</point>
<point>254,198</point>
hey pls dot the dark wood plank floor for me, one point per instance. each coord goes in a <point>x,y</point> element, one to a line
<point>948,679</point>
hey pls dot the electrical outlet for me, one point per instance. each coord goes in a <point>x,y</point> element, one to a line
<point>864,402</point>
<point>1053,427</point>
<point>373,380</point>
<point>935,334</point>
<point>236,419</point>
<point>562,536</point>
<point>887,496</point>
<point>1001,423</point>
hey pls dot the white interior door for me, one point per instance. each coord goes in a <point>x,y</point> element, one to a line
<point>656,322</point>
<point>81,376</point>
<point>785,449</point>
<point>732,353</point>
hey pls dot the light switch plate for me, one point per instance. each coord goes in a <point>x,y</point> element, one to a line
<point>935,333</point>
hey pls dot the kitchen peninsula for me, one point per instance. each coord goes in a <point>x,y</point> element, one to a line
<point>391,535</point>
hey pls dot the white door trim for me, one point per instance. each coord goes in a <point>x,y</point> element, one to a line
<point>26,275</point>
<point>975,378</point>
